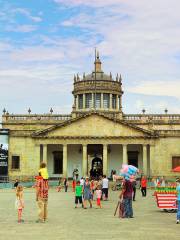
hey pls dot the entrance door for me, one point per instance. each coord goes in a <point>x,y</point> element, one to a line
<point>58,162</point>
<point>133,158</point>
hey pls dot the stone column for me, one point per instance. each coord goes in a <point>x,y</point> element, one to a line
<point>117,102</point>
<point>105,163</point>
<point>145,159</point>
<point>125,159</point>
<point>65,160</point>
<point>153,167</point>
<point>102,101</point>
<point>92,105</point>
<point>37,155</point>
<point>84,101</point>
<point>110,102</point>
<point>120,102</point>
<point>45,153</point>
<point>84,162</point>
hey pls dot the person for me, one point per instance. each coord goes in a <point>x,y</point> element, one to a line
<point>98,196</point>
<point>92,185</point>
<point>134,189</point>
<point>144,186</point>
<point>105,185</point>
<point>42,188</point>
<point>82,181</point>
<point>73,185</point>
<point>19,203</point>
<point>163,182</point>
<point>87,193</point>
<point>66,184</point>
<point>43,172</point>
<point>178,200</point>
<point>59,185</point>
<point>16,183</point>
<point>78,194</point>
<point>126,197</point>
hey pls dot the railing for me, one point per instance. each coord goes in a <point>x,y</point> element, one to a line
<point>35,117</point>
<point>152,117</point>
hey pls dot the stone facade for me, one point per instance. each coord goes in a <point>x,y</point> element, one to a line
<point>97,128</point>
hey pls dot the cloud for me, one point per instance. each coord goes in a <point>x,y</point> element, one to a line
<point>22,28</point>
<point>27,13</point>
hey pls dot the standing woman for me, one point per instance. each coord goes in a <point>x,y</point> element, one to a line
<point>87,193</point>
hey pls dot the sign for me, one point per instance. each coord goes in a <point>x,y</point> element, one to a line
<point>4,146</point>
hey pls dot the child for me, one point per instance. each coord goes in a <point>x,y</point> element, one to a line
<point>98,195</point>
<point>92,188</point>
<point>43,172</point>
<point>178,200</point>
<point>78,194</point>
<point>66,184</point>
<point>19,204</point>
<point>59,185</point>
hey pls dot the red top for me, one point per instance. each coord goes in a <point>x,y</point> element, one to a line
<point>143,182</point>
<point>42,188</point>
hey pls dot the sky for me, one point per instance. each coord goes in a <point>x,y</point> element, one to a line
<point>44,43</point>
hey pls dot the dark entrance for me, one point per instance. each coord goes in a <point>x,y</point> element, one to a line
<point>133,158</point>
<point>96,168</point>
<point>95,163</point>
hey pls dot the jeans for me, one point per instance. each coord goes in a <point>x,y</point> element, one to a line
<point>178,210</point>
<point>143,190</point>
<point>128,211</point>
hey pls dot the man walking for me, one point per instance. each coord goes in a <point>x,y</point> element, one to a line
<point>105,186</point>
<point>143,186</point>
<point>42,198</point>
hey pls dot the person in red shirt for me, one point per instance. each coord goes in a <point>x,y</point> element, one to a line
<point>143,186</point>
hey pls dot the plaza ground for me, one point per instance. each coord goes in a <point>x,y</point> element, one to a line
<point>66,222</point>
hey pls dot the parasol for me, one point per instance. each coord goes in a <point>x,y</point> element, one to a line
<point>176,169</point>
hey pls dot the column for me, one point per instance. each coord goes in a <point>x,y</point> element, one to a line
<point>84,101</point>
<point>102,101</point>
<point>120,102</point>
<point>77,102</point>
<point>105,172</point>
<point>37,155</point>
<point>117,102</point>
<point>45,153</point>
<point>92,100</point>
<point>110,102</point>
<point>145,159</point>
<point>84,163</point>
<point>125,159</point>
<point>153,167</point>
<point>65,160</point>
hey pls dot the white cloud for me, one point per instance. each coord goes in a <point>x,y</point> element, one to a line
<point>27,13</point>
<point>22,28</point>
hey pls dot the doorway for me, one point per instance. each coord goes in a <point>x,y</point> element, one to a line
<point>133,158</point>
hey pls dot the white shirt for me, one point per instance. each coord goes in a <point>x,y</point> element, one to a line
<point>105,183</point>
<point>82,182</point>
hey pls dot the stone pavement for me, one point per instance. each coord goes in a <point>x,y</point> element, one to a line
<point>66,222</point>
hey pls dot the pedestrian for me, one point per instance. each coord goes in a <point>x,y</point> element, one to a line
<point>92,184</point>
<point>66,184</point>
<point>87,194</point>
<point>43,172</point>
<point>126,198</point>
<point>144,186</point>
<point>105,186</point>
<point>42,188</point>
<point>134,189</point>
<point>16,183</point>
<point>73,185</point>
<point>19,203</point>
<point>178,200</point>
<point>59,185</point>
<point>98,197</point>
<point>78,194</point>
<point>82,181</point>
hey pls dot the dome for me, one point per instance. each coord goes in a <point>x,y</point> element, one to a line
<point>99,76</point>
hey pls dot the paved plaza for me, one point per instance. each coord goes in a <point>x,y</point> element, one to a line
<point>66,222</point>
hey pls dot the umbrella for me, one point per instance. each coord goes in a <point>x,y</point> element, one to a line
<point>176,169</point>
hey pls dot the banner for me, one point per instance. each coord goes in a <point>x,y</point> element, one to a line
<point>4,145</point>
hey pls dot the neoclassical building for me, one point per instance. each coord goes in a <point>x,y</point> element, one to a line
<point>97,135</point>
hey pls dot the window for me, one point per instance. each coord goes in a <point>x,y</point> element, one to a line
<point>114,101</point>
<point>106,100</point>
<point>175,161</point>
<point>15,162</point>
<point>98,100</point>
<point>88,100</point>
<point>58,162</point>
<point>80,101</point>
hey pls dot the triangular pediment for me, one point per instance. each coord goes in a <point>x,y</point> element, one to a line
<point>94,125</point>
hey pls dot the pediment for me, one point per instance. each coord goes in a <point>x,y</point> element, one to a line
<point>93,125</point>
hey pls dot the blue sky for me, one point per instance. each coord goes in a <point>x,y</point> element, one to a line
<point>44,43</point>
